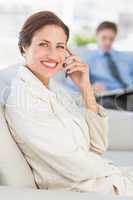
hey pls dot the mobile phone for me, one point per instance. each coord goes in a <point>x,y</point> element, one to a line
<point>68,53</point>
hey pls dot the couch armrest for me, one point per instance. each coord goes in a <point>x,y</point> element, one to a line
<point>14,169</point>
<point>120,130</point>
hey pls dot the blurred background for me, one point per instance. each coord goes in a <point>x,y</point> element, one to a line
<point>82,16</point>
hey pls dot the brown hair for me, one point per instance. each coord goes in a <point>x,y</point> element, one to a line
<point>36,22</point>
<point>107,25</point>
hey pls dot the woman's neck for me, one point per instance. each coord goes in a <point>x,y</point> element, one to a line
<point>43,79</point>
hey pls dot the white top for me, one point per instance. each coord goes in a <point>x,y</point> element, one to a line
<point>58,136</point>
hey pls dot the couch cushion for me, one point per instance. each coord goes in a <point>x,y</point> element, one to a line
<point>8,193</point>
<point>120,130</point>
<point>14,169</point>
<point>120,158</point>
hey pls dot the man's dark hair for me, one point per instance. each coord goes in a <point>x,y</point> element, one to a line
<point>107,25</point>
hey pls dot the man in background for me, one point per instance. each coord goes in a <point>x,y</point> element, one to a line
<point>109,69</point>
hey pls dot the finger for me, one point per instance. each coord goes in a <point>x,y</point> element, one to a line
<point>77,68</point>
<point>72,65</point>
<point>71,59</point>
<point>75,65</point>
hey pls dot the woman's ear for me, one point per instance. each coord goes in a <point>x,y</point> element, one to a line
<point>24,49</point>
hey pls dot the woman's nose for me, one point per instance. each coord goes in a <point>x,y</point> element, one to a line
<point>53,54</point>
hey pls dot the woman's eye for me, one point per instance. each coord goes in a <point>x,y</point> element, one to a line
<point>43,44</point>
<point>62,47</point>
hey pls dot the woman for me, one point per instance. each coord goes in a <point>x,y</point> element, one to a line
<point>61,138</point>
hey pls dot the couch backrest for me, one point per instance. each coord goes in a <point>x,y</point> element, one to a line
<point>14,170</point>
<point>6,76</point>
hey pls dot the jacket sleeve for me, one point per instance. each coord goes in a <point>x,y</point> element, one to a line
<point>97,126</point>
<point>98,130</point>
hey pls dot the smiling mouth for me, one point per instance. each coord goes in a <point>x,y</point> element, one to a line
<point>50,65</point>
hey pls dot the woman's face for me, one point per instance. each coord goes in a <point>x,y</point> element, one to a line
<point>47,50</point>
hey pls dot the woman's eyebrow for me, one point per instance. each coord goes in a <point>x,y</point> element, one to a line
<point>61,43</point>
<point>45,41</point>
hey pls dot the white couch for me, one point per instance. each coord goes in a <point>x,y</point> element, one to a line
<point>10,193</point>
<point>14,170</point>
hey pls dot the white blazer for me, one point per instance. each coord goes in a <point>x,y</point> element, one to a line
<point>59,137</point>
